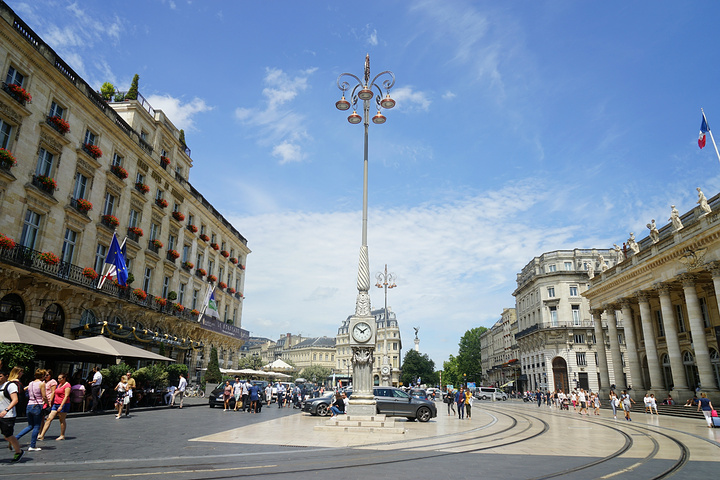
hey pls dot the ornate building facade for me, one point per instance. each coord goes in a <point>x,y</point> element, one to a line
<point>666,294</point>
<point>388,340</point>
<point>83,167</point>
<point>560,345</point>
<point>500,352</point>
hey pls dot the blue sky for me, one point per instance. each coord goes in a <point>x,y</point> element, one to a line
<point>520,128</point>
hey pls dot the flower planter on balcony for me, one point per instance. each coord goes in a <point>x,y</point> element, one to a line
<point>44,183</point>
<point>7,159</point>
<point>134,233</point>
<point>161,202</point>
<point>49,258</point>
<point>119,171</point>
<point>188,266</point>
<point>81,205</point>
<point>90,273</point>
<point>110,221</point>
<point>59,124</point>
<point>200,272</point>
<point>6,242</point>
<point>92,150</point>
<point>215,246</point>
<point>164,162</point>
<point>142,188</point>
<point>173,255</point>
<point>17,92</point>
<point>192,228</point>
<point>140,293</point>
<point>178,216</point>
<point>212,278</point>
<point>154,245</point>
<point>204,237</point>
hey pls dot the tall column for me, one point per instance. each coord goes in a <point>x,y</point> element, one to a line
<point>601,353</point>
<point>646,321</point>
<point>615,348</point>
<point>631,359</point>
<point>697,330</point>
<point>673,345</point>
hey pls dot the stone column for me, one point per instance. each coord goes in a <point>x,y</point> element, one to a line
<point>632,359</point>
<point>646,321</point>
<point>601,353</point>
<point>615,348</point>
<point>697,330</point>
<point>673,345</point>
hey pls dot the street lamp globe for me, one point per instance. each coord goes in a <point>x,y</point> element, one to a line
<point>379,119</point>
<point>365,93</point>
<point>342,104</point>
<point>387,102</point>
<point>354,118</point>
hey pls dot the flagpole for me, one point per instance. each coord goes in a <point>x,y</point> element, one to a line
<point>205,303</point>
<point>107,273</point>
<point>711,135</point>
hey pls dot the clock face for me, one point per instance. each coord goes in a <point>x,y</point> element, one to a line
<point>362,332</point>
<point>385,369</point>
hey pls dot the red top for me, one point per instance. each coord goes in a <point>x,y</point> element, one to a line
<point>60,393</point>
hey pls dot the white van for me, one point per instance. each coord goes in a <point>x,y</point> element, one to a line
<point>485,393</point>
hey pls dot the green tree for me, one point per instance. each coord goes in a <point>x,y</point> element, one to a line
<point>182,138</point>
<point>174,370</point>
<point>153,376</point>
<point>252,361</point>
<point>17,355</point>
<point>112,374</point>
<point>107,90</point>
<point>469,355</point>
<point>316,373</point>
<point>132,93</point>
<point>450,372</point>
<point>418,365</point>
<point>213,375</point>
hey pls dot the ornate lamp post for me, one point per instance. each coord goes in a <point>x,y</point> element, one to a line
<point>386,280</point>
<point>362,324</point>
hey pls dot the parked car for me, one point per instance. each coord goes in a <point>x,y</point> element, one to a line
<point>419,393</point>
<point>391,401</point>
<point>485,393</point>
<point>216,397</point>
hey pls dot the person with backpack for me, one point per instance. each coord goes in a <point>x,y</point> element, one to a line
<point>8,400</point>
<point>36,401</point>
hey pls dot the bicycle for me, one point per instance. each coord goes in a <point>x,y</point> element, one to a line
<point>194,391</point>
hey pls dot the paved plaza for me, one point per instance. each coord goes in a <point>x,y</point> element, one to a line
<point>503,440</point>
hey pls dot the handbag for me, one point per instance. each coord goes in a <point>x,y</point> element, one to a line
<point>126,400</point>
<point>714,413</point>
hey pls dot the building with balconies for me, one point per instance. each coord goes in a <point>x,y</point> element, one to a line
<point>558,345</point>
<point>77,167</point>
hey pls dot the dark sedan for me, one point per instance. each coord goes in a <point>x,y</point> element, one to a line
<point>391,401</point>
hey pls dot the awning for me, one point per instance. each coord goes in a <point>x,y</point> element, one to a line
<point>119,349</point>
<point>46,343</point>
<point>278,365</point>
<point>508,384</point>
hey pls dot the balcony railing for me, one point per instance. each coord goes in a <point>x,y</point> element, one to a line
<point>133,236</point>
<point>45,188</point>
<point>76,206</point>
<point>14,95</point>
<point>152,247</point>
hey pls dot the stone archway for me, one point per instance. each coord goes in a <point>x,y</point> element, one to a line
<point>12,308</point>
<point>53,319</point>
<point>560,375</point>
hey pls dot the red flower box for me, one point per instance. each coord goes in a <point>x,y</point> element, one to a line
<point>178,307</point>
<point>160,301</point>
<point>156,243</point>
<point>93,150</point>
<point>20,92</point>
<point>204,238</point>
<point>49,258</point>
<point>225,253</point>
<point>234,260</point>
<point>84,205</point>
<point>231,290</point>
<point>140,293</point>
<point>178,216</point>
<point>111,220</point>
<point>59,123</point>
<point>7,159</point>
<point>141,187</point>
<point>215,246</point>
<point>165,160</point>
<point>212,278</point>
<point>222,285</point>
<point>161,202</point>
<point>201,271</point>
<point>194,312</point>
<point>6,242</point>
<point>173,254</point>
<point>90,273</point>
<point>192,228</point>
<point>119,171</point>
<point>188,265</point>
<point>136,230</point>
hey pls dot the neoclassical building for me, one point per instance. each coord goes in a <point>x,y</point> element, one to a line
<point>666,296</point>
<point>76,167</point>
<point>560,346</point>
<point>500,351</point>
<point>388,340</point>
<point>312,351</point>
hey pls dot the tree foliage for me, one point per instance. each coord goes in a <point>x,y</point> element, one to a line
<point>251,361</point>
<point>174,370</point>
<point>418,365</point>
<point>107,90</point>
<point>450,374</point>
<point>315,373</point>
<point>182,138</point>
<point>132,93</point>
<point>17,355</point>
<point>112,374</point>
<point>154,376</point>
<point>469,355</point>
<point>213,375</point>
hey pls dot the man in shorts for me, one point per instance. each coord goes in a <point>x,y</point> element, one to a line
<point>8,400</point>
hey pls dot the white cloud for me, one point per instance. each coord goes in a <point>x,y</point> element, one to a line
<point>276,124</point>
<point>409,99</point>
<point>372,37</point>
<point>456,263</point>
<point>180,114</point>
<point>448,95</point>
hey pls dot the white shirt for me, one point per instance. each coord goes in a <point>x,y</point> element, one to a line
<point>97,379</point>
<point>4,402</point>
<point>182,384</point>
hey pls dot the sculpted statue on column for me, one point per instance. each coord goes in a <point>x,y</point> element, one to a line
<point>632,244</point>
<point>702,201</point>
<point>675,218</point>
<point>603,265</point>
<point>654,234</point>
<point>591,269</point>
<point>620,256</point>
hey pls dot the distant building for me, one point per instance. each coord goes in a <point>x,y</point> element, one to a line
<point>556,334</point>
<point>312,351</point>
<point>388,337</point>
<point>500,352</point>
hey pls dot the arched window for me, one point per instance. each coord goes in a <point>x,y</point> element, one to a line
<point>53,319</point>
<point>376,380</point>
<point>12,308</point>
<point>88,318</point>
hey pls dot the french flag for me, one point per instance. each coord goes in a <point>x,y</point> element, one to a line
<point>703,131</point>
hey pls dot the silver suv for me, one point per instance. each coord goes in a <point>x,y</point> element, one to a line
<point>485,393</point>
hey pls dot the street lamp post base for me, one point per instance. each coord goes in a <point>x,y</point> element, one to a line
<point>363,407</point>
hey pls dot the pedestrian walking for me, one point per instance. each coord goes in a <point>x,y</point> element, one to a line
<point>596,403</point>
<point>227,394</point>
<point>131,387</point>
<point>582,399</point>
<point>237,392</point>
<point>468,403</point>
<point>450,400</point>
<point>36,401</point>
<point>180,392</point>
<point>706,406</point>
<point>60,407</point>
<point>460,400</point>
<point>121,394</point>
<point>626,404</point>
<point>8,401</point>
<point>653,404</point>
<point>614,403</point>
